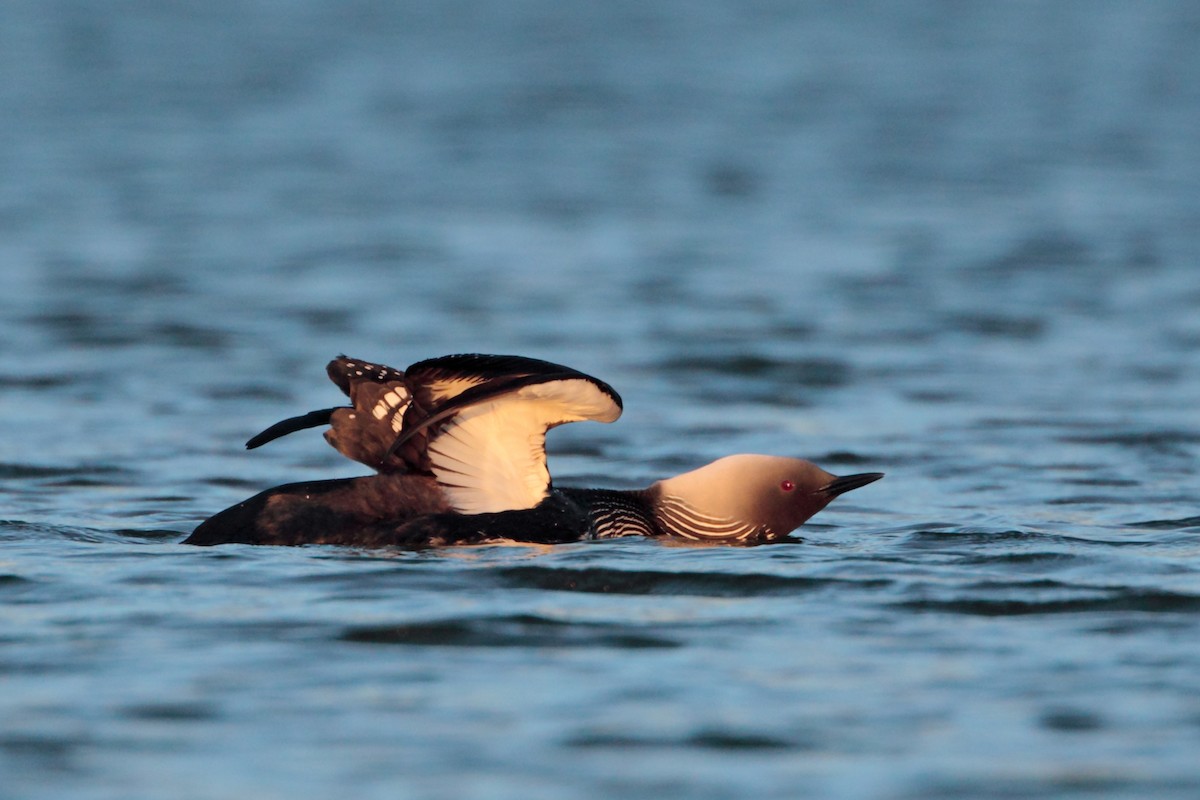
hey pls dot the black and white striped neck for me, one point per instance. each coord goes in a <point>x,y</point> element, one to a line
<point>678,518</point>
<point>615,513</point>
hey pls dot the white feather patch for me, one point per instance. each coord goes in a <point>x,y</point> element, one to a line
<point>392,405</point>
<point>441,390</point>
<point>492,456</point>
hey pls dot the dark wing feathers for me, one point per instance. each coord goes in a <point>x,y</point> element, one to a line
<point>481,366</point>
<point>346,372</point>
<point>290,425</point>
<point>488,415</point>
<point>440,379</point>
<point>363,430</point>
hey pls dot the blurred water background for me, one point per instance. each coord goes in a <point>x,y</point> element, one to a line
<point>954,242</point>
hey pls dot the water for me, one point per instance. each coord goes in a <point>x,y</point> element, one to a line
<point>956,244</point>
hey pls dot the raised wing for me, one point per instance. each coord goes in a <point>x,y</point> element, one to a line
<point>476,422</point>
<point>483,434</point>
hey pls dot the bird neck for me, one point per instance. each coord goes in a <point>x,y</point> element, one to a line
<point>677,517</point>
<point>653,512</point>
<point>617,512</point>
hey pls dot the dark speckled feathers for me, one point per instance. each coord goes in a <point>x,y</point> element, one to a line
<point>377,395</point>
<point>348,373</point>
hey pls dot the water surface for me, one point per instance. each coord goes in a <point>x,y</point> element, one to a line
<point>953,244</point>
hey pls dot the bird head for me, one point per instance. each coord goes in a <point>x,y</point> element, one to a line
<point>749,498</point>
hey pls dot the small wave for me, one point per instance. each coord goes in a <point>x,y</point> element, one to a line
<point>811,372</point>
<point>930,537</point>
<point>1183,523</point>
<point>644,582</point>
<point>998,326</point>
<point>1027,558</point>
<point>232,483</point>
<point>1160,441</point>
<point>517,630</point>
<point>846,458</point>
<point>1128,600</point>
<point>22,530</point>
<point>13,471</point>
<point>1057,545</point>
<point>36,382</point>
<point>17,529</point>
<point>43,750</point>
<point>12,585</point>
<point>708,739</point>
<point>1122,483</point>
<point>1070,720</point>
<point>148,534</point>
<point>1051,249</point>
<point>170,711</point>
<point>1091,500</point>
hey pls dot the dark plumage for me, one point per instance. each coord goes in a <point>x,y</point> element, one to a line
<point>459,447</point>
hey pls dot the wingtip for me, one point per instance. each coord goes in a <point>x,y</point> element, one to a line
<point>290,425</point>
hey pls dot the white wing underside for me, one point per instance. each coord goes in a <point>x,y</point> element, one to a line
<point>492,456</point>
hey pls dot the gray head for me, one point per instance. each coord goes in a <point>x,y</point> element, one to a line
<point>749,498</point>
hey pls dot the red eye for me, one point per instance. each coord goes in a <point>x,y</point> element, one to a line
<point>787,486</point>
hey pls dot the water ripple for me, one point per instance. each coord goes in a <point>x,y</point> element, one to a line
<point>651,582</point>
<point>1151,601</point>
<point>515,630</point>
<point>709,739</point>
<point>1181,524</point>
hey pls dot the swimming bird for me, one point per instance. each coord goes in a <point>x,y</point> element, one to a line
<point>458,445</point>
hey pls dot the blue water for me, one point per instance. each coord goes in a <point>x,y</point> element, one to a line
<point>953,242</point>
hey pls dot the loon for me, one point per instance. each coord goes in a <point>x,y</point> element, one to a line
<point>458,446</point>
